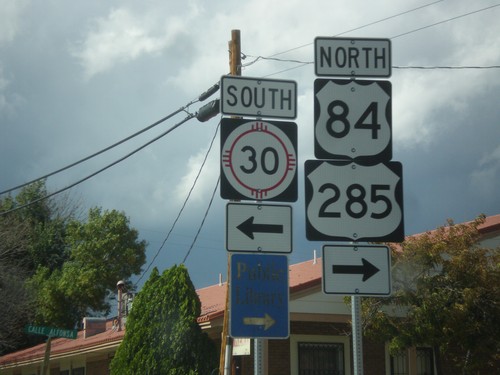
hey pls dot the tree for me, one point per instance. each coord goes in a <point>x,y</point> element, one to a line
<point>57,266</point>
<point>103,250</point>
<point>162,335</point>
<point>446,295</point>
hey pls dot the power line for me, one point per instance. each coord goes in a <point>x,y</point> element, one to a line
<point>100,151</point>
<point>457,67</point>
<point>444,21</point>
<point>212,90</point>
<point>203,221</point>
<point>304,63</point>
<point>189,117</point>
<point>363,26</point>
<point>182,208</point>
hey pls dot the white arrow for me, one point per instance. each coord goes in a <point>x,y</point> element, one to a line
<point>267,321</point>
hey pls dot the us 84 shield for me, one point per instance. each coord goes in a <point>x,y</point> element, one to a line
<point>347,201</point>
<point>353,120</point>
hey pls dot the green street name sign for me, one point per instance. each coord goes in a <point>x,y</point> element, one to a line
<point>51,332</point>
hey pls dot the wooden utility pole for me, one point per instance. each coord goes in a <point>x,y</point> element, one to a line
<point>226,343</point>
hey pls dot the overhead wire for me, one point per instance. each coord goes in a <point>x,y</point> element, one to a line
<point>304,63</point>
<point>203,221</point>
<point>446,20</point>
<point>182,209</point>
<point>342,33</point>
<point>187,118</point>
<point>184,108</point>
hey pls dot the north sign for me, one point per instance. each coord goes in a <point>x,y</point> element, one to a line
<point>258,97</point>
<point>347,201</point>
<point>259,296</point>
<point>258,228</point>
<point>357,270</point>
<point>258,160</point>
<point>353,120</point>
<point>352,57</point>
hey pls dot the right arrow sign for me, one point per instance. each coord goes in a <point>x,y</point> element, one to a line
<point>356,270</point>
<point>366,269</point>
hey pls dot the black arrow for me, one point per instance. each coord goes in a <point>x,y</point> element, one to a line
<point>367,269</point>
<point>249,228</point>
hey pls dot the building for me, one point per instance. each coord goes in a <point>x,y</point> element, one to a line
<point>319,331</point>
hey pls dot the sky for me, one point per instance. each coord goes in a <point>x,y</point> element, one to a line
<point>77,77</point>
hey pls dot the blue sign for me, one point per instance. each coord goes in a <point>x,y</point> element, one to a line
<point>259,296</point>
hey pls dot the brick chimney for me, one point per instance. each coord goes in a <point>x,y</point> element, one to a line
<point>93,326</point>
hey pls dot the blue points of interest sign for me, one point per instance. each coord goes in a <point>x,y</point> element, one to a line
<point>259,296</point>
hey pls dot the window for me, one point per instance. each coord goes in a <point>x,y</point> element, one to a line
<point>78,371</point>
<point>316,358</point>
<point>425,361</point>
<point>399,364</point>
<point>65,372</point>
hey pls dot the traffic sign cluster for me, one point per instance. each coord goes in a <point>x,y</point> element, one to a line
<point>353,191</point>
<point>258,163</point>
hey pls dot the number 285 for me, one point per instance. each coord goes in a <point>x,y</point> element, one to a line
<point>356,205</point>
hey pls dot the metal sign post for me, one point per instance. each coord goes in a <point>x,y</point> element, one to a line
<point>357,335</point>
<point>258,356</point>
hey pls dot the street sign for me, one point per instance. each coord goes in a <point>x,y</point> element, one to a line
<point>353,120</point>
<point>258,160</point>
<point>51,332</point>
<point>259,296</point>
<point>258,97</point>
<point>347,201</point>
<point>258,228</point>
<point>352,57</point>
<point>357,270</point>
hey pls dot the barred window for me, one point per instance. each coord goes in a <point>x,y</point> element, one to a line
<point>399,364</point>
<point>425,361</point>
<point>321,358</point>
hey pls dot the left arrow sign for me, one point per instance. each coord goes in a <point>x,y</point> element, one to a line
<point>367,269</point>
<point>248,227</point>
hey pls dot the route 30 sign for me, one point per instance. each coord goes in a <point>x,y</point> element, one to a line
<point>352,120</point>
<point>258,160</point>
<point>347,201</point>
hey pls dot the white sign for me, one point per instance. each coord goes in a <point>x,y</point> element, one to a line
<point>258,160</point>
<point>356,270</point>
<point>352,57</point>
<point>258,228</point>
<point>347,201</point>
<point>241,346</point>
<point>353,120</point>
<point>258,97</point>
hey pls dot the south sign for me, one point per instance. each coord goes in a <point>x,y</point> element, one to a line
<point>258,97</point>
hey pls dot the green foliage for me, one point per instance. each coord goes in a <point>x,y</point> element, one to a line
<point>103,250</point>
<point>162,335</point>
<point>68,265</point>
<point>446,295</point>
